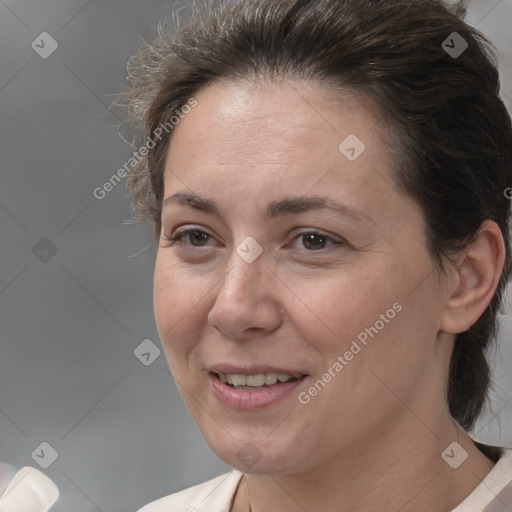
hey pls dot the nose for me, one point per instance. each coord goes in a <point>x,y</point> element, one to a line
<point>246,303</point>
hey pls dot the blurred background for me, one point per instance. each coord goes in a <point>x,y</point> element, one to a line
<point>85,393</point>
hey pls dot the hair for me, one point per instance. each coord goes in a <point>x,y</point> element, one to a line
<point>453,131</point>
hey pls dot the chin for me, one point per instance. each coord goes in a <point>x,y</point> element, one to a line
<point>253,455</point>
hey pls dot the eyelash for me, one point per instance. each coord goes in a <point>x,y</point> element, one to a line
<point>177,239</point>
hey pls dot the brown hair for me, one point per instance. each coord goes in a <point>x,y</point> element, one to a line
<point>454,132</point>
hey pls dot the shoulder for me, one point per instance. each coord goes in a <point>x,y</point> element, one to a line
<point>494,494</point>
<point>500,484</point>
<point>212,496</point>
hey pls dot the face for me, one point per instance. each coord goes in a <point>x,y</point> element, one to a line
<point>293,258</point>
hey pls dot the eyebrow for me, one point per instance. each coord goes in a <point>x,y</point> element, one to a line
<point>287,206</point>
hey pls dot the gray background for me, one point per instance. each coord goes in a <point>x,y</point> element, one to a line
<point>70,321</point>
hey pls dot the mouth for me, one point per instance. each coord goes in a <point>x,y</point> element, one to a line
<point>254,382</point>
<point>255,388</point>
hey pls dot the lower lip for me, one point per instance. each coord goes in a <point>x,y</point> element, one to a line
<point>246,400</point>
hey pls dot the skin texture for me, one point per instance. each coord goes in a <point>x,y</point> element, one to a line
<point>372,438</point>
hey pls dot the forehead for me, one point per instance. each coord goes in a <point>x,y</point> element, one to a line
<point>246,146</point>
<point>272,129</point>
<point>247,141</point>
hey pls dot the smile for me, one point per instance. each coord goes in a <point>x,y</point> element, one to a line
<point>253,382</point>
<point>249,391</point>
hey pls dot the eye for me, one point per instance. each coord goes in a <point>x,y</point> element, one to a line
<point>196,237</point>
<point>313,241</point>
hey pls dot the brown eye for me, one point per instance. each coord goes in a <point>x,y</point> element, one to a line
<point>196,238</point>
<point>312,241</point>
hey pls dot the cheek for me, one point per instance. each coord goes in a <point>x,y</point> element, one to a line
<point>177,305</point>
<point>371,313</point>
<point>337,308</point>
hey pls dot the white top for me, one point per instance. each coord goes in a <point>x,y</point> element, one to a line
<point>494,494</point>
<point>29,491</point>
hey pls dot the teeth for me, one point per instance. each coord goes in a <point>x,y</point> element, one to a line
<point>258,380</point>
<point>255,380</point>
<point>270,378</point>
<point>237,380</point>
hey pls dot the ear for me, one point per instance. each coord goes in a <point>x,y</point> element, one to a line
<point>476,276</point>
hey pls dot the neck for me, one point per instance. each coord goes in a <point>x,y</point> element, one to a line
<point>395,471</point>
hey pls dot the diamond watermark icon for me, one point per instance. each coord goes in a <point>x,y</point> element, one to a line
<point>147,352</point>
<point>44,45</point>
<point>352,147</point>
<point>45,455</point>
<point>454,455</point>
<point>455,45</point>
<point>44,250</point>
<point>249,249</point>
<point>249,455</point>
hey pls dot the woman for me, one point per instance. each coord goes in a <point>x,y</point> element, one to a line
<point>327,182</point>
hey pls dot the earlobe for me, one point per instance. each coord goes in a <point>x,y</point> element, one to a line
<point>477,275</point>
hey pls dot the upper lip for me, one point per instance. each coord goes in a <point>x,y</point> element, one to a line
<point>254,370</point>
